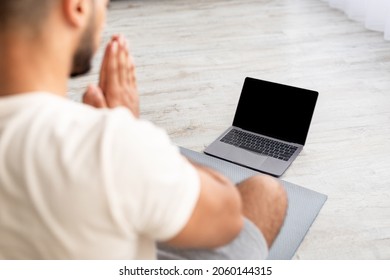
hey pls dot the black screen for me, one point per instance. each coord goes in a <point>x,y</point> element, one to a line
<point>275,110</point>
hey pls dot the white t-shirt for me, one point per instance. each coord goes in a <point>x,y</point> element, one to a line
<point>82,183</point>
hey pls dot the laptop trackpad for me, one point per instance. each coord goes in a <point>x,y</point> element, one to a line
<point>245,157</point>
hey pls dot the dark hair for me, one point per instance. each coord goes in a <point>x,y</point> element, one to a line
<point>26,13</point>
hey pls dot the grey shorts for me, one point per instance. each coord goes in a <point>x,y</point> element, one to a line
<point>250,244</point>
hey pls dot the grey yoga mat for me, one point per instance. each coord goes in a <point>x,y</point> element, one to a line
<point>304,205</point>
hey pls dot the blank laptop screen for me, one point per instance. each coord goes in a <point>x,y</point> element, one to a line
<point>275,110</point>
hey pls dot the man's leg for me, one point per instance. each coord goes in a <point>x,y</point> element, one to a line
<point>264,205</point>
<point>250,244</point>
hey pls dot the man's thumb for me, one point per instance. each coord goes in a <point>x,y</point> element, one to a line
<point>94,97</point>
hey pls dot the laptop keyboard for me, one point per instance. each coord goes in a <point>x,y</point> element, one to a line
<point>258,144</point>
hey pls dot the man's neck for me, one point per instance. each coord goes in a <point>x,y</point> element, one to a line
<point>29,66</point>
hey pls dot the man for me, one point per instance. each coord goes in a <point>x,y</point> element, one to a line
<point>93,181</point>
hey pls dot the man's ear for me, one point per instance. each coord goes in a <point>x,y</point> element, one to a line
<point>76,12</point>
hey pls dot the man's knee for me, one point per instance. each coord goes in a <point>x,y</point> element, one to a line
<point>268,187</point>
<point>275,191</point>
<point>265,203</point>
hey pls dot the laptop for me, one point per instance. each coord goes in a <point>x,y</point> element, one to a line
<point>270,127</point>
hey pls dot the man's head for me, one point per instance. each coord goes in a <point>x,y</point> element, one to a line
<point>82,21</point>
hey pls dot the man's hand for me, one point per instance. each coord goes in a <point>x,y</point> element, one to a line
<point>117,85</point>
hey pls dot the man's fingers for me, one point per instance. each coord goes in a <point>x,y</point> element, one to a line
<point>112,77</point>
<point>130,70</point>
<point>127,69</point>
<point>122,61</point>
<point>115,37</point>
<point>130,75</point>
<point>103,69</point>
<point>104,66</point>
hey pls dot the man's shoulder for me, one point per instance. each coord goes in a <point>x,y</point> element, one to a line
<point>62,119</point>
<point>60,116</point>
<point>64,109</point>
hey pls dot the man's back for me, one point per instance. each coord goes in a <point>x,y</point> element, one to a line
<point>80,182</point>
<point>65,170</point>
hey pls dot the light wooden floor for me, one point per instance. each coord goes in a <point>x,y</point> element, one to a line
<point>193,56</point>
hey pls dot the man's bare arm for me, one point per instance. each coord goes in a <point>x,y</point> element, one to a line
<point>217,218</point>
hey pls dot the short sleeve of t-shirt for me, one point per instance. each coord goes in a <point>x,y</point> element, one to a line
<point>157,188</point>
